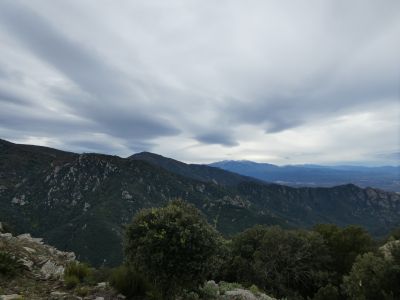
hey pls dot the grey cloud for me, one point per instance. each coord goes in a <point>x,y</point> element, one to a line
<point>104,87</point>
<point>219,138</point>
<point>92,146</point>
<point>12,98</point>
<point>134,74</point>
<point>118,119</point>
<point>79,63</point>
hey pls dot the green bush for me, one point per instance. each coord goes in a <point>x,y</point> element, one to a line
<point>255,290</point>
<point>328,292</point>
<point>173,245</point>
<point>344,245</point>
<point>190,296</point>
<point>101,275</point>
<point>282,262</point>
<point>130,283</point>
<point>9,265</point>
<point>71,281</point>
<point>82,291</point>
<point>367,279</point>
<point>79,270</point>
<point>209,291</point>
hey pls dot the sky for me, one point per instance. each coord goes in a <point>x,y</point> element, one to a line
<point>284,82</point>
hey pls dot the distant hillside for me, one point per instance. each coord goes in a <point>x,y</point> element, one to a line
<point>194,171</point>
<point>80,202</point>
<point>386,178</point>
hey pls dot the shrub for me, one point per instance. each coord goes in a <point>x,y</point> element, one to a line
<point>79,270</point>
<point>153,294</point>
<point>71,281</point>
<point>344,245</point>
<point>367,278</point>
<point>173,245</point>
<point>190,296</point>
<point>282,262</point>
<point>255,290</point>
<point>209,290</point>
<point>328,292</point>
<point>83,291</point>
<point>9,265</point>
<point>130,283</point>
<point>101,275</point>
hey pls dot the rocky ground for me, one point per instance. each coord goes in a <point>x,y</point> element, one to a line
<point>41,273</point>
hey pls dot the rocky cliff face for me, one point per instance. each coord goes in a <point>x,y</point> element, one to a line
<point>80,202</point>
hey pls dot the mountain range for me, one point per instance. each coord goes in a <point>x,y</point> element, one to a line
<point>384,177</point>
<point>81,202</point>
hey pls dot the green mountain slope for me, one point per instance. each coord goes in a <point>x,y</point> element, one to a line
<point>80,202</point>
<point>194,171</point>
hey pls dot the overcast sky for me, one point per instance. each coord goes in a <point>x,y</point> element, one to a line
<point>284,82</point>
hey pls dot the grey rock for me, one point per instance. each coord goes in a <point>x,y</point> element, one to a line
<point>27,236</point>
<point>11,297</point>
<point>52,270</point>
<point>241,294</point>
<point>6,235</point>
<point>102,284</point>
<point>30,250</point>
<point>27,263</point>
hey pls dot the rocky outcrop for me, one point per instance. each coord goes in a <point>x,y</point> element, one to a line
<point>231,291</point>
<point>41,261</point>
<point>242,294</point>
<point>387,248</point>
<point>40,275</point>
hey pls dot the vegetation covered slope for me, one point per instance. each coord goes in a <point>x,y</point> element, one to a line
<point>80,202</point>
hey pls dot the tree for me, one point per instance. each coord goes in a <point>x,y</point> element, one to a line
<point>344,245</point>
<point>283,262</point>
<point>173,246</point>
<point>366,280</point>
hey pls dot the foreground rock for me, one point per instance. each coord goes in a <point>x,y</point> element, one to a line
<point>241,294</point>
<point>231,291</point>
<point>40,272</point>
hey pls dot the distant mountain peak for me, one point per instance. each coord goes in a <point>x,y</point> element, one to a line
<point>386,178</point>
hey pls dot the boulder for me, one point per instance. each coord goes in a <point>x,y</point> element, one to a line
<point>11,297</point>
<point>52,270</point>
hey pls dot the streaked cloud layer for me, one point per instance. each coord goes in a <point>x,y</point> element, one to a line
<point>276,81</point>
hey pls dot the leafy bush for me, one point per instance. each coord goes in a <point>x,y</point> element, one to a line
<point>190,296</point>
<point>328,292</point>
<point>173,245</point>
<point>82,291</point>
<point>71,281</point>
<point>101,274</point>
<point>130,283</point>
<point>255,290</point>
<point>209,290</point>
<point>282,262</point>
<point>9,265</point>
<point>365,280</point>
<point>79,270</point>
<point>344,245</point>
